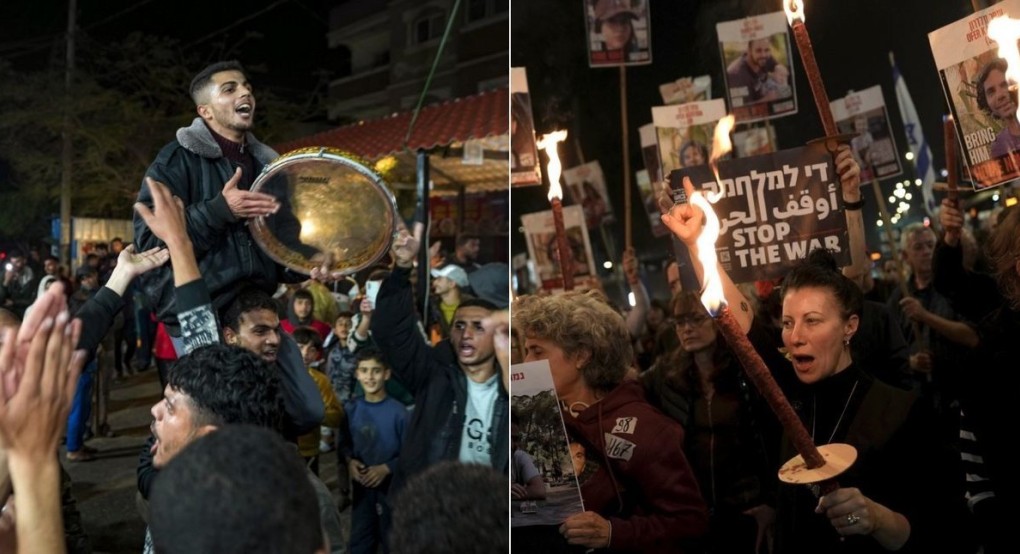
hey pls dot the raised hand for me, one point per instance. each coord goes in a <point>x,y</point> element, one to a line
<point>406,245</point>
<point>166,219</point>
<point>685,220</point>
<point>951,219</point>
<point>36,396</point>
<point>136,263</point>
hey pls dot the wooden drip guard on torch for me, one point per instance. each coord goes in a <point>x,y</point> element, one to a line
<point>814,464</point>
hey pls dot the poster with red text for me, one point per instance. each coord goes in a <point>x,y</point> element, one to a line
<point>984,108</point>
<point>756,65</point>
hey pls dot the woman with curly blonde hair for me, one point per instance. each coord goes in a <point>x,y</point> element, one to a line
<point>641,495</point>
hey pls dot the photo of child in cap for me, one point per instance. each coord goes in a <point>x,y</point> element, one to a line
<point>618,33</point>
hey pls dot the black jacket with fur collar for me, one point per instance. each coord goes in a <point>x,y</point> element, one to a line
<point>194,169</point>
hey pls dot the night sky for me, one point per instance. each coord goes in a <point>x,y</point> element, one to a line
<point>282,43</point>
<point>851,41</point>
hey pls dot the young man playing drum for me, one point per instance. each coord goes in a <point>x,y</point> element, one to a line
<point>210,165</point>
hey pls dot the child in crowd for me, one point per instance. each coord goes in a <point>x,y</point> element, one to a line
<point>302,304</point>
<point>310,343</point>
<point>340,359</point>
<point>340,363</point>
<point>376,424</point>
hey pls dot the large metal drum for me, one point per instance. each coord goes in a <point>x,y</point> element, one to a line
<point>334,211</point>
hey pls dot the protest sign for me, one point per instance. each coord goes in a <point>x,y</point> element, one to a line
<point>686,89</point>
<point>525,168</point>
<point>772,210</point>
<point>619,32</point>
<point>587,186</point>
<point>756,64</point>
<point>650,152</point>
<point>684,132</point>
<point>540,235</point>
<point>864,115</point>
<point>541,445</point>
<point>651,206</point>
<point>754,141</point>
<point>974,82</point>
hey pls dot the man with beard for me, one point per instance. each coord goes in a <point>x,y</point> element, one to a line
<point>756,76</point>
<point>210,166</point>
<point>998,101</point>
<point>460,404</point>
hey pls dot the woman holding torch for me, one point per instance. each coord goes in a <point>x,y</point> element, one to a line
<point>892,495</point>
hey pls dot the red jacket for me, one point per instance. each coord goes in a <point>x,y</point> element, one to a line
<point>319,327</point>
<point>635,473</point>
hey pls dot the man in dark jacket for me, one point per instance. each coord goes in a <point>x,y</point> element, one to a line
<point>460,403</point>
<point>210,166</point>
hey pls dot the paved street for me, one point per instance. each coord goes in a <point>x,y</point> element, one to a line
<point>105,488</point>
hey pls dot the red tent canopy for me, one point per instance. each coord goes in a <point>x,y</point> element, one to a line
<point>472,117</point>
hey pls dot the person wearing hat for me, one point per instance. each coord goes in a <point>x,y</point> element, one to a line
<point>614,20</point>
<point>449,287</point>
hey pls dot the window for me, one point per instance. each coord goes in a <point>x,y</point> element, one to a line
<point>427,27</point>
<point>482,9</point>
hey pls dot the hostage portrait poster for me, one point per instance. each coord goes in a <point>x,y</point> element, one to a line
<point>756,66</point>
<point>619,32</point>
<point>979,96</point>
<point>863,115</point>
<point>772,210</point>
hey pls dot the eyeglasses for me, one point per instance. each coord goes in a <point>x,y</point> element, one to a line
<point>694,320</point>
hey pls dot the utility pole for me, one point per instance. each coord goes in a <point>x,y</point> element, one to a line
<point>65,157</point>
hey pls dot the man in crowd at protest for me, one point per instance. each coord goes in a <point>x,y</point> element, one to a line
<point>210,166</point>
<point>428,516</point>
<point>756,76</point>
<point>202,503</point>
<point>251,322</point>
<point>931,326</point>
<point>19,284</point>
<point>199,400</point>
<point>461,405</point>
<point>449,284</point>
<point>51,266</point>
<point>465,253</point>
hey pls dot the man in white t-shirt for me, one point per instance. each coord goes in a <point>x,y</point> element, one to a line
<point>461,410</point>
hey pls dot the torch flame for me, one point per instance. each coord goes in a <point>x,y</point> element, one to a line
<point>548,143</point>
<point>713,297</point>
<point>721,144</point>
<point>794,11</point>
<point>1006,31</point>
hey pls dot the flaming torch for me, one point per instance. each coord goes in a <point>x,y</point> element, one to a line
<point>795,16</point>
<point>548,143</point>
<point>813,464</point>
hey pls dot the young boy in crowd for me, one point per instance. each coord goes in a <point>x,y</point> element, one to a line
<point>340,359</point>
<point>310,343</point>
<point>376,424</point>
<point>302,304</point>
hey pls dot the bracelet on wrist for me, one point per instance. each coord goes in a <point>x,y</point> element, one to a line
<point>851,206</point>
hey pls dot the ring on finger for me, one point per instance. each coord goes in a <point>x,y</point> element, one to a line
<point>852,519</point>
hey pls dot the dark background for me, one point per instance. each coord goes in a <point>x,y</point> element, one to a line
<point>852,40</point>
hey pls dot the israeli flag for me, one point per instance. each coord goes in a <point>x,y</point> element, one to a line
<point>915,139</point>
